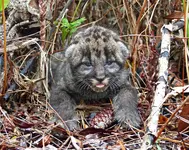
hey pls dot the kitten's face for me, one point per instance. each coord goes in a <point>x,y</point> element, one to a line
<point>97,57</point>
<point>97,73</point>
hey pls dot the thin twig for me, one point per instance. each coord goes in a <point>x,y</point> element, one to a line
<point>5,52</point>
<point>173,141</point>
<point>57,28</point>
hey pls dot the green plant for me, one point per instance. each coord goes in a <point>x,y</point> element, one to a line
<point>68,28</point>
<point>6,2</point>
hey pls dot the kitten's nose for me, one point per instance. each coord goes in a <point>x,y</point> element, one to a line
<point>100,79</point>
<point>100,76</point>
<point>100,73</point>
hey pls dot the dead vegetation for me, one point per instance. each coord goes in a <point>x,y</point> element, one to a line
<point>34,31</point>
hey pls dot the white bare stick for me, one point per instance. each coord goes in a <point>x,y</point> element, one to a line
<point>151,129</point>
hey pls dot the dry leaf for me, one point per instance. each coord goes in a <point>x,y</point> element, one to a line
<point>185,114</point>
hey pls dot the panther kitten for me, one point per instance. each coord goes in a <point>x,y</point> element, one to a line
<point>92,69</point>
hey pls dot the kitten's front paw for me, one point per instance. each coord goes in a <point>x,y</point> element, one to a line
<point>128,117</point>
<point>71,125</point>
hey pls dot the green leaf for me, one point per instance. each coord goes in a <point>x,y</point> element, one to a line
<point>73,30</point>
<point>65,32</point>
<point>69,28</point>
<point>65,23</point>
<point>6,2</point>
<point>77,22</point>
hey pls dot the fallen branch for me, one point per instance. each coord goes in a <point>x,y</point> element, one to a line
<point>151,128</point>
<point>20,45</point>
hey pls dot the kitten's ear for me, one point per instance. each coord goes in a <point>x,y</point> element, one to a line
<point>69,50</point>
<point>124,49</point>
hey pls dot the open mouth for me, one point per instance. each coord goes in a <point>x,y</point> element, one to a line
<point>99,87</point>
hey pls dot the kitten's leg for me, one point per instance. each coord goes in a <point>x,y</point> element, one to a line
<point>64,104</point>
<point>125,107</point>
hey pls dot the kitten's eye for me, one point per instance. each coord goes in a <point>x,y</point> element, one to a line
<point>112,66</point>
<point>88,64</point>
<point>109,62</point>
<point>85,68</point>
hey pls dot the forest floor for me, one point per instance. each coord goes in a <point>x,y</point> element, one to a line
<point>35,29</point>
